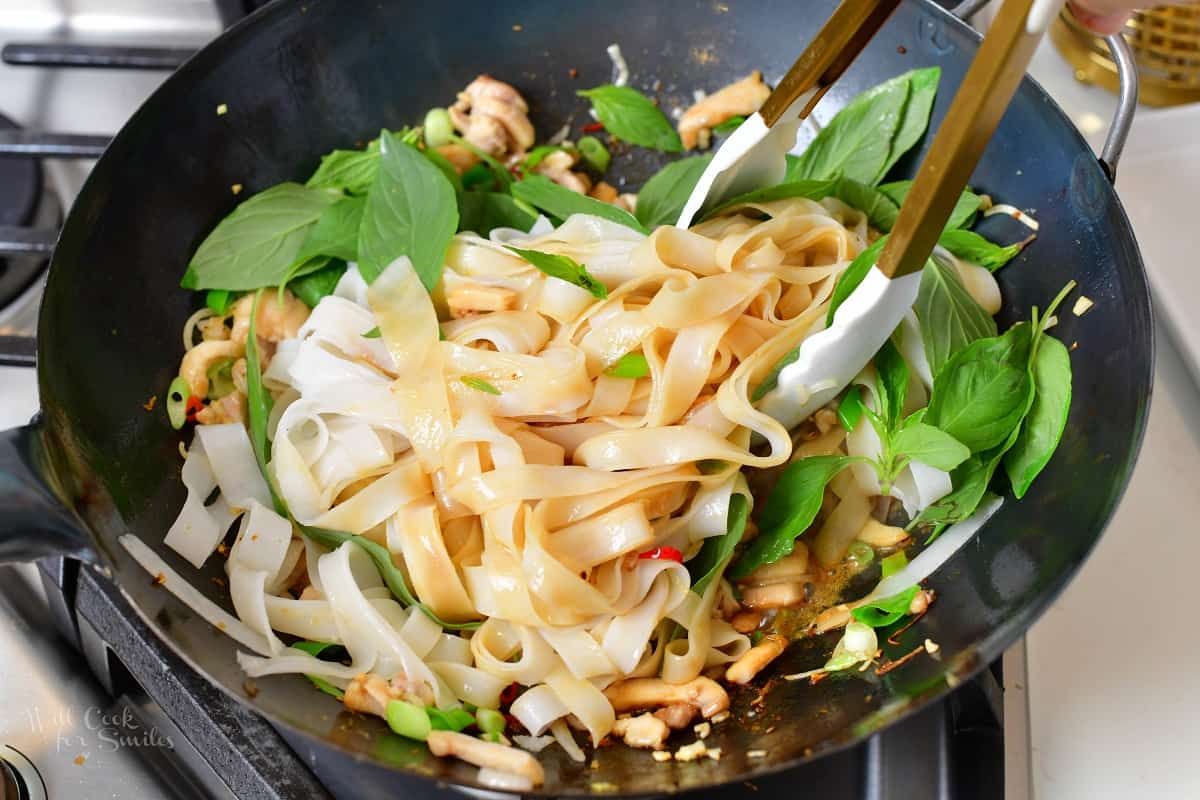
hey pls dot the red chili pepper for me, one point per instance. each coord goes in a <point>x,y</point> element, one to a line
<point>592,127</point>
<point>509,694</point>
<point>194,406</point>
<point>663,554</point>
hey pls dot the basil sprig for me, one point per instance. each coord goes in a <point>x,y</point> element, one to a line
<point>707,565</point>
<point>664,195</point>
<point>560,202</point>
<point>564,268</point>
<point>631,116</point>
<point>950,319</point>
<point>970,246</point>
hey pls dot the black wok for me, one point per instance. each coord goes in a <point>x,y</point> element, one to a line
<point>300,79</point>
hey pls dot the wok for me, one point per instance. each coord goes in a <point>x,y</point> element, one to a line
<point>300,79</point>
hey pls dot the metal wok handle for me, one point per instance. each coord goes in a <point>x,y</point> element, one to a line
<point>1127,98</point>
<point>34,523</point>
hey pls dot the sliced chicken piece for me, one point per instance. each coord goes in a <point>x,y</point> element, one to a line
<point>557,167</point>
<point>486,754</point>
<point>230,408</point>
<point>737,99</point>
<point>277,320</point>
<point>493,116</point>
<point>197,361</point>
<point>461,158</point>
<point>645,731</point>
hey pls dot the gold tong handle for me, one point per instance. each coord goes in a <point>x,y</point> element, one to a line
<point>835,47</point>
<point>980,102</point>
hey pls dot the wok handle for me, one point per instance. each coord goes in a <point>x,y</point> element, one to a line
<point>1127,97</point>
<point>34,523</point>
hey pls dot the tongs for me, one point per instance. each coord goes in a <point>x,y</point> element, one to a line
<point>753,157</point>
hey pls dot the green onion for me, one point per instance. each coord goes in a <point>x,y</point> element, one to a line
<point>862,552</point>
<point>408,720</point>
<point>438,127</point>
<point>479,385</point>
<point>177,398</point>
<point>594,153</point>
<point>374,333</point>
<point>453,720</point>
<point>630,365</point>
<point>893,564</point>
<point>490,720</point>
<point>325,686</point>
<point>219,300</point>
<point>493,736</point>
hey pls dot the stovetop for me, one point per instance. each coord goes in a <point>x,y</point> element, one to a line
<point>152,727</point>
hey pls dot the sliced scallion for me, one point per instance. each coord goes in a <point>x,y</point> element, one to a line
<point>177,399</point>
<point>408,720</point>
<point>489,720</point>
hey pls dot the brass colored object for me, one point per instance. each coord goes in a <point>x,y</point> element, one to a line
<point>832,50</point>
<point>1165,43</point>
<point>980,102</point>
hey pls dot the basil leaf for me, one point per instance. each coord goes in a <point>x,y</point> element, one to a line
<point>455,719</point>
<point>219,301</point>
<point>629,115</point>
<point>483,212</point>
<point>728,126</point>
<point>970,481</point>
<point>314,286</point>
<point>929,445</point>
<point>886,612</point>
<point>374,333</point>
<point>336,232</point>
<point>880,210</point>
<point>706,566</point>
<point>891,383</point>
<point>970,246</point>
<point>662,198</point>
<point>964,212</point>
<point>984,390</point>
<point>950,318</point>
<point>564,268</point>
<point>478,175</point>
<point>258,407</point>
<point>1047,418</point>
<point>313,648</point>
<point>502,179</point>
<point>594,153</point>
<point>257,244</point>
<point>351,171</point>
<point>850,409</point>
<point>479,385</point>
<point>560,202</point>
<point>325,686</point>
<point>923,86</point>
<point>411,211</point>
<point>853,275</point>
<point>447,169</point>
<point>539,153</point>
<point>812,189</point>
<point>892,564</point>
<point>789,511</point>
<point>857,143</point>
<point>630,365</point>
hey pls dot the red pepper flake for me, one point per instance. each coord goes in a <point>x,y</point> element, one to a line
<point>510,693</point>
<point>574,73</point>
<point>592,127</point>
<point>160,579</point>
<point>901,49</point>
<point>149,404</point>
<point>194,406</point>
<point>663,554</point>
<point>79,760</point>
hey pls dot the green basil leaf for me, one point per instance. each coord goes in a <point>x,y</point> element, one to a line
<point>927,444</point>
<point>336,232</point>
<point>880,210</point>
<point>662,198</point>
<point>351,171</point>
<point>891,384</point>
<point>325,686</point>
<point>984,390</point>
<point>257,244</point>
<point>964,212</point>
<point>892,564</point>
<point>447,169</point>
<point>411,211</point>
<point>539,153</point>
<point>564,268</point>
<point>258,406</point>
<point>594,153</point>
<point>455,719</point>
<point>857,143</point>
<point>501,178</point>
<point>478,175</point>
<point>950,318</point>
<point>483,212</point>
<point>374,333</point>
<point>888,611</point>
<point>812,189</point>
<point>631,116</point>
<point>728,126</point>
<point>850,409</point>
<point>853,275</point>
<point>1047,418</point>
<point>479,385</point>
<point>560,202</point>
<point>923,85</point>
<point>314,286</point>
<point>219,301</point>
<point>313,648</point>
<point>707,565</point>
<point>970,246</point>
<point>630,365</point>
<point>789,511</point>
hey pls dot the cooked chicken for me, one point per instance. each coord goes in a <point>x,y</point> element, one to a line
<point>461,158</point>
<point>754,660</point>
<point>493,116</point>
<point>646,731</point>
<point>230,408</point>
<point>737,99</point>
<point>485,754</point>
<point>557,167</point>
<point>637,693</point>
<point>197,361</point>
<point>677,715</point>
<point>277,319</point>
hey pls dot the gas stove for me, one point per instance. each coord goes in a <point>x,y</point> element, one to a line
<point>148,725</point>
